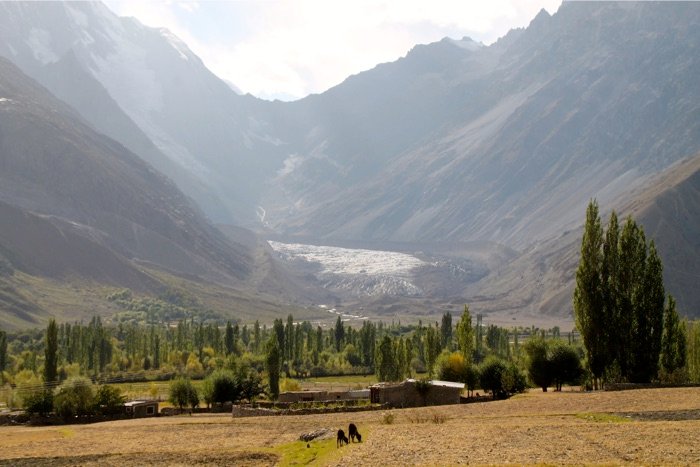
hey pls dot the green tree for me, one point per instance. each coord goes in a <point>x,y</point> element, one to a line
<point>648,329</point>
<point>339,334</point>
<point>386,361</point>
<point>565,365</point>
<point>273,362</point>
<point>3,355</point>
<point>512,380</point>
<point>432,348</point>
<point>539,367</point>
<point>452,367</point>
<point>588,296</point>
<point>108,400</point>
<point>465,335</point>
<point>471,379</point>
<point>692,331</point>
<point>182,393</point>
<point>229,343</point>
<point>616,330</point>
<point>491,374</point>
<point>673,346</point>
<point>39,402</point>
<point>225,387</point>
<point>51,353</point>
<point>74,398</point>
<point>446,331</point>
<point>257,337</point>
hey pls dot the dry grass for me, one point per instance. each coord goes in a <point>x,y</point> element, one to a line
<point>661,426</point>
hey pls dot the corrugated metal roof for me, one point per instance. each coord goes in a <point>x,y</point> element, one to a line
<point>448,384</point>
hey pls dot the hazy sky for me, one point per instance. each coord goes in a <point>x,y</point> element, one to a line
<point>289,49</point>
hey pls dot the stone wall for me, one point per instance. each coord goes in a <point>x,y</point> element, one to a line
<point>249,411</point>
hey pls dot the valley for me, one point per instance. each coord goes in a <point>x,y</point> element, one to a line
<point>460,171</point>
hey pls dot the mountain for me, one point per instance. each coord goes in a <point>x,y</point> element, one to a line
<point>455,144</point>
<point>144,88</point>
<point>667,206</point>
<point>75,203</point>
<point>506,143</point>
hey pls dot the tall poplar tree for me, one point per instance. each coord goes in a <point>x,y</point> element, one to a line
<point>649,313</point>
<point>273,362</point>
<point>588,295</point>
<point>51,353</point>
<point>446,331</point>
<point>465,336</point>
<point>610,270</point>
<point>386,367</point>
<point>3,354</point>
<point>229,342</point>
<point>673,343</point>
<point>619,300</point>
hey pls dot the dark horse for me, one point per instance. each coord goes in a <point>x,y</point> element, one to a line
<point>341,439</point>
<point>352,431</point>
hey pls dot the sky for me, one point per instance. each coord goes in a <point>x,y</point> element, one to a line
<point>275,49</point>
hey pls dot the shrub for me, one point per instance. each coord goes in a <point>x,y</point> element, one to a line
<point>74,398</point>
<point>513,380</point>
<point>183,393</point>
<point>39,402</point>
<point>566,365</point>
<point>108,400</point>
<point>290,385</point>
<point>452,367</point>
<point>472,378</point>
<point>228,386</point>
<point>539,367</point>
<point>491,378</point>
<point>387,418</point>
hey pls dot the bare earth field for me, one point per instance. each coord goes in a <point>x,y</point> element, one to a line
<point>654,426</point>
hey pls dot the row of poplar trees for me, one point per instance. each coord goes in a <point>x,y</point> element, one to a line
<point>629,328</point>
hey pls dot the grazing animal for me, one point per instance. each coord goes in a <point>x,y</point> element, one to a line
<point>352,431</point>
<point>341,439</point>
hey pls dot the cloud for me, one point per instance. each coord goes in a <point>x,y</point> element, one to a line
<point>294,48</point>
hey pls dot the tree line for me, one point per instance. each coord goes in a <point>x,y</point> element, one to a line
<point>630,327</point>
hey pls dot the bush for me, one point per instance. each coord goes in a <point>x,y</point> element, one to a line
<point>452,367</point>
<point>183,393</point>
<point>491,376</point>
<point>289,384</point>
<point>553,363</point>
<point>74,398</point>
<point>39,402</point>
<point>387,418</point>
<point>566,365</point>
<point>500,378</point>
<point>108,400</point>
<point>539,367</point>
<point>513,380</point>
<point>472,378</point>
<point>229,386</point>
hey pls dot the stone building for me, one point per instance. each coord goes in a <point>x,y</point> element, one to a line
<point>140,409</point>
<point>413,393</point>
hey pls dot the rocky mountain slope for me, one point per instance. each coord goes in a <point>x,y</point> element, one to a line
<point>456,143</point>
<point>587,103</point>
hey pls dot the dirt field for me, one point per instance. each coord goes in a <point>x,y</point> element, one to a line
<point>655,426</point>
